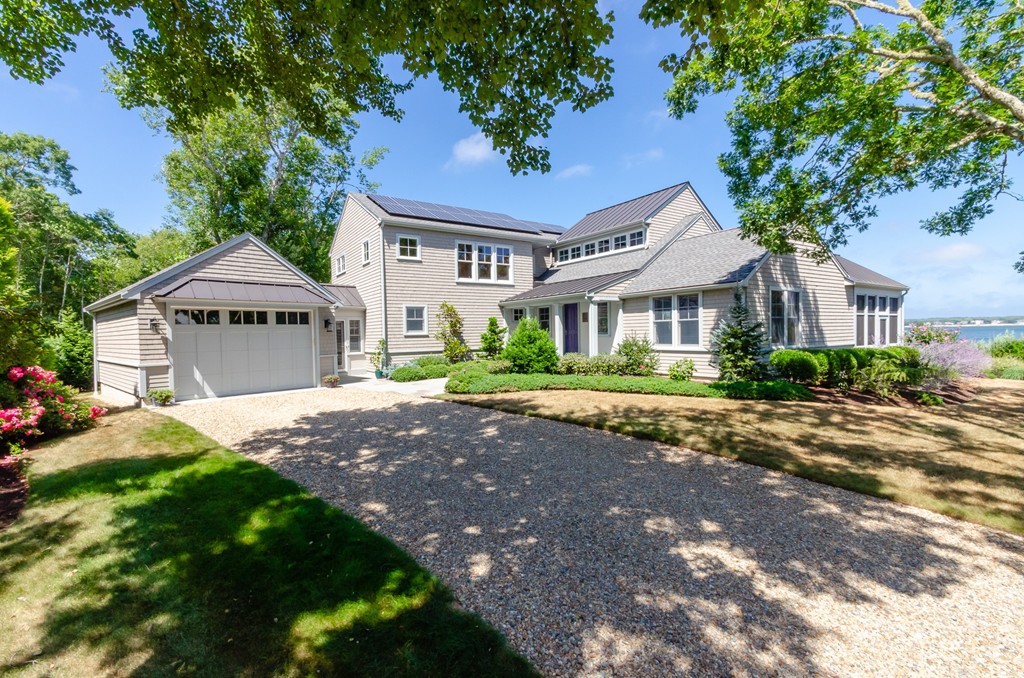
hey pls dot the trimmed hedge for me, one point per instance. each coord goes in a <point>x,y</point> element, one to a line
<point>836,366</point>
<point>603,364</point>
<point>415,373</point>
<point>478,382</point>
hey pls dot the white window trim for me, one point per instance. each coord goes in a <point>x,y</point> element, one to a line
<point>339,265</point>
<point>366,252</point>
<point>800,343</point>
<point>675,345</point>
<point>610,237</point>
<point>398,247</point>
<point>873,292</point>
<point>494,264</point>
<point>348,337</point>
<point>597,318</point>
<point>405,321</point>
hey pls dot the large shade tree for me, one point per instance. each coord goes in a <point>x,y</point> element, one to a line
<point>511,63</point>
<point>842,102</point>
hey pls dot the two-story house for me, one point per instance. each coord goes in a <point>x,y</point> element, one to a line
<point>238,318</point>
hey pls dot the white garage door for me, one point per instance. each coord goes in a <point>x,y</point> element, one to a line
<point>220,352</point>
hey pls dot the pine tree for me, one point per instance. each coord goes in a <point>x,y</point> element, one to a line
<point>492,341</point>
<point>737,344</point>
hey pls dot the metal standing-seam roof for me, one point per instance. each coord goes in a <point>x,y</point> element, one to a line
<point>347,295</point>
<point>625,213</point>
<point>575,286</point>
<point>718,258</point>
<point>235,290</point>
<point>863,275</point>
<point>449,214</point>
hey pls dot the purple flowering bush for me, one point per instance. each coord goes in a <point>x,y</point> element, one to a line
<point>947,361</point>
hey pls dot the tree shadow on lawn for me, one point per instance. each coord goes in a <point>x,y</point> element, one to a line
<point>218,566</point>
<point>613,553</point>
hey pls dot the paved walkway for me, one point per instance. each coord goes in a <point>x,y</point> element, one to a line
<point>426,387</point>
<point>598,554</point>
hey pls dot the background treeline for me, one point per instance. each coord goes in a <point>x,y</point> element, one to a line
<point>240,171</point>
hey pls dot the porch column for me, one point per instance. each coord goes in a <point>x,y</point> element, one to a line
<point>619,315</point>
<point>592,329</point>
<point>556,324</point>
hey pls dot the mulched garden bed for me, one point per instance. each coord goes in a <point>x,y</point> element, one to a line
<point>13,491</point>
<point>952,394</point>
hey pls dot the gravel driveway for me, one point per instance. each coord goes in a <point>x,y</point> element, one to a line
<point>598,554</point>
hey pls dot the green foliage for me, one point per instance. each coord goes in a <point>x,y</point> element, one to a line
<point>930,399</point>
<point>476,382</point>
<point>1006,368</point>
<point>430,360</point>
<point>71,346</point>
<point>884,374</point>
<point>681,370</point>
<point>415,373</point>
<point>601,364</point>
<point>160,396</point>
<point>530,349</point>
<point>738,344</point>
<point>380,358</point>
<point>841,104</point>
<point>929,334</point>
<point>330,380</point>
<point>259,170</point>
<point>449,333</point>
<point>35,406</point>
<point>1007,346</point>
<point>511,64</point>
<point>799,366</point>
<point>492,341</point>
<point>18,325</point>
<point>148,254</point>
<point>640,357</point>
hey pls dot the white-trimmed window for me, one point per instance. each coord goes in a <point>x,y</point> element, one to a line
<point>518,314</point>
<point>409,247</point>
<point>602,318</point>
<point>604,245</point>
<point>785,317</point>
<point>366,251</point>
<point>252,318</point>
<point>619,242</point>
<point>415,320</point>
<point>676,320</point>
<point>636,238</point>
<point>339,265</point>
<point>877,319</point>
<point>575,252</point>
<point>589,249</point>
<point>563,254</point>
<point>544,318</point>
<point>355,336</point>
<point>479,262</point>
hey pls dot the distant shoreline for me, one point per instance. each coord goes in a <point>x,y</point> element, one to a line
<point>952,324</point>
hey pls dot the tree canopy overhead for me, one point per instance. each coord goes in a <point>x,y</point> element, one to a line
<point>842,102</point>
<point>511,63</point>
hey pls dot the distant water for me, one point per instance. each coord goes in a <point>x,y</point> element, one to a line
<point>987,332</point>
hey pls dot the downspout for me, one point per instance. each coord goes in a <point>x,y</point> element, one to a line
<point>95,371</point>
<point>383,287</point>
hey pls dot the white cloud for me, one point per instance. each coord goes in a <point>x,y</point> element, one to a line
<point>650,155</point>
<point>476,149</point>
<point>657,118</point>
<point>580,170</point>
<point>954,253</point>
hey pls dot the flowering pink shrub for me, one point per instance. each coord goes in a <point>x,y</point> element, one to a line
<point>35,405</point>
<point>920,335</point>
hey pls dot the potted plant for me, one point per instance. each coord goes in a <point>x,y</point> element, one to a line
<point>379,358</point>
<point>330,381</point>
<point>160,397</point>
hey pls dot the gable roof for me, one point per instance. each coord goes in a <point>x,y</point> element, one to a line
<point>622,214</point>
<point>135,290</point>
<point>864,275</point>
<point>431,212</point>
<point>718,258</point>
<point>574,286</point>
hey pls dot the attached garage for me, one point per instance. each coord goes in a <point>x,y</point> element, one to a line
<point>235,319</point>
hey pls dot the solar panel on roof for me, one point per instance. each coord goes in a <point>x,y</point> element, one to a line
<point>459,215</point>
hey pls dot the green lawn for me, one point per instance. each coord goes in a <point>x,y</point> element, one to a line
<point>147,549</point>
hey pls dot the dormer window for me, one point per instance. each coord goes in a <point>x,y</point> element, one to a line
<point>636,238</point>
<point>563,254</point>
<point>575,252</point>
<point>620,242</point>
<point>590,249</point>
<point>594,248</point>
<point>604,246</point>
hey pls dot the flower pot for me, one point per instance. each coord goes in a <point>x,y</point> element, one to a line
<point>379,374</point>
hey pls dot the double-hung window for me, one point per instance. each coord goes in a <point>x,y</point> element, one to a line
<point>355,336</point>
<point>464,261</point>
<point>483,263</point>
<point>416,320</point>
<point>408,247</point>
<point>602,318</point>
<point>544,318</point>
<point>688,318</point>
<point>366,251</point>
<point>503,264</point>
<point>339,265</point>
<point>785,317</point>
<point>661,308</point>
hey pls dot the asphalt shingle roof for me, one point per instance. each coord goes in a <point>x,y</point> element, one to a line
<point>622,214</point>
<point>865,276</point>
<point>712,259</point>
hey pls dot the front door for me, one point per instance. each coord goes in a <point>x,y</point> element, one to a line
<point>339,335</point>
<point>571,323</point>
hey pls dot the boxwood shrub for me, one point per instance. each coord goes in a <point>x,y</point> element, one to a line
<point>838,367</point>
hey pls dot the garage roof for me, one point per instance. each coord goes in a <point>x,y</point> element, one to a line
<point>232,290</point>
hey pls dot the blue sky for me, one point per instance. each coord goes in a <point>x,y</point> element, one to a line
<point>623,148</point>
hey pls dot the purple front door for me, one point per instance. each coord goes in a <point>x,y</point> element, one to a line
<point>571,325</point>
